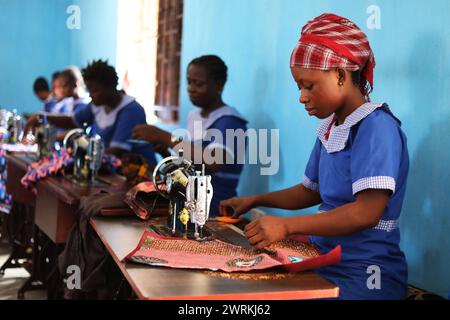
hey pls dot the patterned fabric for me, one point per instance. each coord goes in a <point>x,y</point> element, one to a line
<point>5,198</point>
<point>378,182</point>
<point>387,225</point>
<point>143,200</point>
<point>330,41</point>
<point>50,165</point>
<point>415,293</point>
<point>55,163</point>
<point>156,250</point>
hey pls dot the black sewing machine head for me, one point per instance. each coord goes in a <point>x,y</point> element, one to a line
<point>87,152</point>
<point>11,126</point>
<point>45,135</point>
<point>189,192</point>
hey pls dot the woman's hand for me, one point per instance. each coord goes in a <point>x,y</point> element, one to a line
<point>266,230</point>
<point>236,206</point>
<point>152,134</point>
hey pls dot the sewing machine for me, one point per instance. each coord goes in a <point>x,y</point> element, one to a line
<point>15,127</point>
<point>189,192</point>
<point>45,135</point>
<point>10,126</point>
<point>87,152</point>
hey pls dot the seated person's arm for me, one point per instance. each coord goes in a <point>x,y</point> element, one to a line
<point>123,127</point>
<point>163,138</point>
<point>364,213</point>
<point>61,121</point>
<point>294,198</point>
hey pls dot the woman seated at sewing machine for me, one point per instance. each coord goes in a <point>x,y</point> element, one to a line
<point>111,114</point>
<point>206,78</point>
<point>69,86</point>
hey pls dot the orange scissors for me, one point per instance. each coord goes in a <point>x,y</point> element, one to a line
<point>228,218</point>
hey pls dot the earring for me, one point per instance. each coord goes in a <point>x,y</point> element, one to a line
<point>340,83</point>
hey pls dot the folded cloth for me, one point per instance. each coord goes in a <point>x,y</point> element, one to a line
<point>144,200</point>
<point>294,255</point>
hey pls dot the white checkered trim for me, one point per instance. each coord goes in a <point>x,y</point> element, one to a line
<point>307,183</point>
<point>387,225</point>
<point>384,225</point>
<point>339,134</point>
<point>378,182</point>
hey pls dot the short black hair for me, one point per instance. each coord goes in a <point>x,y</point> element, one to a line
<point>40,84</point>
<point>102,73</point>
<point>216,68</point>
<point>69,76</point>
<point>55,75</point>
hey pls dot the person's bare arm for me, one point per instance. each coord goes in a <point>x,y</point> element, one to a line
<point>364,213</point>
<point>60,121</point>
<point>163,138</point>
<point>294,198</point>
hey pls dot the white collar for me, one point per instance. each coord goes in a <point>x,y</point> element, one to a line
<point>338,136</point>
<point>104,119</point>
<point>196,117</point>
<point>217,114</point>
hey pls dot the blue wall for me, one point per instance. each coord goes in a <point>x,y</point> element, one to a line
<point>255,38</point>
<point>97,37</point>
<point>35,41</point>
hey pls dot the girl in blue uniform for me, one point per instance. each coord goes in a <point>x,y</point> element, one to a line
<point>206,78</point>
<point>111,114</point>
<point>357,170</point>
<point>69,85</point>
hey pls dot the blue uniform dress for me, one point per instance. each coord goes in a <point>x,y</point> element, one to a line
<point>225,181</point>
<point>116,127</point>
<point>69,106</point>
<point>49,104</point>
<point>367,151</point>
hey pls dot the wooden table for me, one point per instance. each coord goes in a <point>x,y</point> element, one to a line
<point>121,236</point>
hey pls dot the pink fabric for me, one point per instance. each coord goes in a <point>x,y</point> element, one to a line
<point>215,255</point>
<point>140,198</point>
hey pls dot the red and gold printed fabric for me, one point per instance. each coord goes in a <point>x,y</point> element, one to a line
<point>292,254</point>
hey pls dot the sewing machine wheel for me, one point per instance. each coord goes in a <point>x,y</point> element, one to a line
<point>70,137</point>
<point>165,167</point>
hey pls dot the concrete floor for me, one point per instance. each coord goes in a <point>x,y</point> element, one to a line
<point>13,279</point>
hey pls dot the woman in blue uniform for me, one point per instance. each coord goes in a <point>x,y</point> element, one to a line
<point>111,114</point>
<point>357,170</point>
<point>206,76</point>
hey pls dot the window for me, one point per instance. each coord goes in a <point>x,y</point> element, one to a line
<point>168,59</point>
<point>148,54</point>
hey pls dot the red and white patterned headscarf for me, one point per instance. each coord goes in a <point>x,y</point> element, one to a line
<point>330,41</point>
